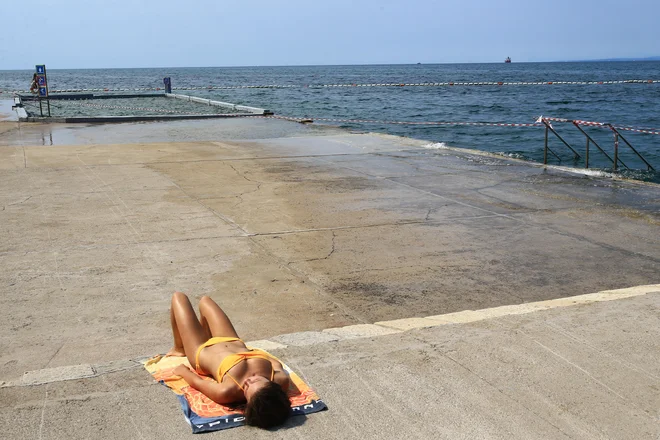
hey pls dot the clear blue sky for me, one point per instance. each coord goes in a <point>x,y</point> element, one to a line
<point>168,33</point>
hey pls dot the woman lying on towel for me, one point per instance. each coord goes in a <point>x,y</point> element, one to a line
<point>241,375</point>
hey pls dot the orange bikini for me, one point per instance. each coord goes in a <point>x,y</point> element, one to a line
<point>233,359</point>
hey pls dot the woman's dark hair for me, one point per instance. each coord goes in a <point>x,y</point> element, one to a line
<point>270,406</point>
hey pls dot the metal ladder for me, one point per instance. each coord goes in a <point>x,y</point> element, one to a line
<point>577,123</point>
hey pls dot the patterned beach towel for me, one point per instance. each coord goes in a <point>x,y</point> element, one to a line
<point>204,415</point>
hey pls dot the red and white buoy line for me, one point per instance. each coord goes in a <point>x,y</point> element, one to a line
<point>321,86</point>
<point>655,131</point>
<point>538,123</point>
<point>373,121</point>
<point>138,89</point>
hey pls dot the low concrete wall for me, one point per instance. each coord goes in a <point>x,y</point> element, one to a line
<point>244,108</point>
<point>80,96</point>
<point>18,114</point>
<point>93,119</point>
<point>22,114</point>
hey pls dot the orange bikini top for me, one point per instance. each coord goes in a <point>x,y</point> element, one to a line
<point>234,359</point>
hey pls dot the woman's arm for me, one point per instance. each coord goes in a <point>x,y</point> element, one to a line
<point>282,379</point>
<point>215,391</point>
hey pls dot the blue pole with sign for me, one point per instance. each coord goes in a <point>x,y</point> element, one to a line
<point>42,83</point>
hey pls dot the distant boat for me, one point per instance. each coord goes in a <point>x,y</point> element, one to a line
<point>508,60</point>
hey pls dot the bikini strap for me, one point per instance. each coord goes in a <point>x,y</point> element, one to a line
<point>260,354</point>
<point>235,381</point>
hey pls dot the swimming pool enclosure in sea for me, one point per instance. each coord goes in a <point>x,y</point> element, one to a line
<point>75,107</point>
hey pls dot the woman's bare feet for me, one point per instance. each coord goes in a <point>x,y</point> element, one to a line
<point>176,351</point>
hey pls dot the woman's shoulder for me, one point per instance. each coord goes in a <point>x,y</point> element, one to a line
<point>226,393</point>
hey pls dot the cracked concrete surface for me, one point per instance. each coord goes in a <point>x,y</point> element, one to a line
<point>324,229</point>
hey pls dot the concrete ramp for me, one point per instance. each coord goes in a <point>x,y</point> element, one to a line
<point>433,275</point>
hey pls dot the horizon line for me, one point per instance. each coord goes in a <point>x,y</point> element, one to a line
<point>619,59</point>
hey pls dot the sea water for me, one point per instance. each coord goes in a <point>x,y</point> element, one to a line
<point>619,104</point>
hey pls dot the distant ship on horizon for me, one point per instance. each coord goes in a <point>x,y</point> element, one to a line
<point>507,60</point>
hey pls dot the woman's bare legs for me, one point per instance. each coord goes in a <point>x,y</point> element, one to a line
<point>187,331</point>
<point>177,349</point>
<point>214,320</point>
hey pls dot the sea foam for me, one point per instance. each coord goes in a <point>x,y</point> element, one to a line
<point>436,146</point>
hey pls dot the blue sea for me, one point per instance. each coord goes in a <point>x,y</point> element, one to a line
<point>619,104</point>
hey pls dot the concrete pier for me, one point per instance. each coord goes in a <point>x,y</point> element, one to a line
<point>236,107</point>
<point>299,231</point>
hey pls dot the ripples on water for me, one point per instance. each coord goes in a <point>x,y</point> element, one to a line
<point>623,104</point>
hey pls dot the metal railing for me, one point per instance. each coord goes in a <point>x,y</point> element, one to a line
<point>546,121</point>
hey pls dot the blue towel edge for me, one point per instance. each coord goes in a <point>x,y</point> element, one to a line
<point>209,424</point>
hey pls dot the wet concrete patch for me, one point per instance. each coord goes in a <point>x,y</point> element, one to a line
<point>167,131</point>
<point>629,230</point>
<point>460,264</point>
<point>336,201</point>
<point>390,165</point>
